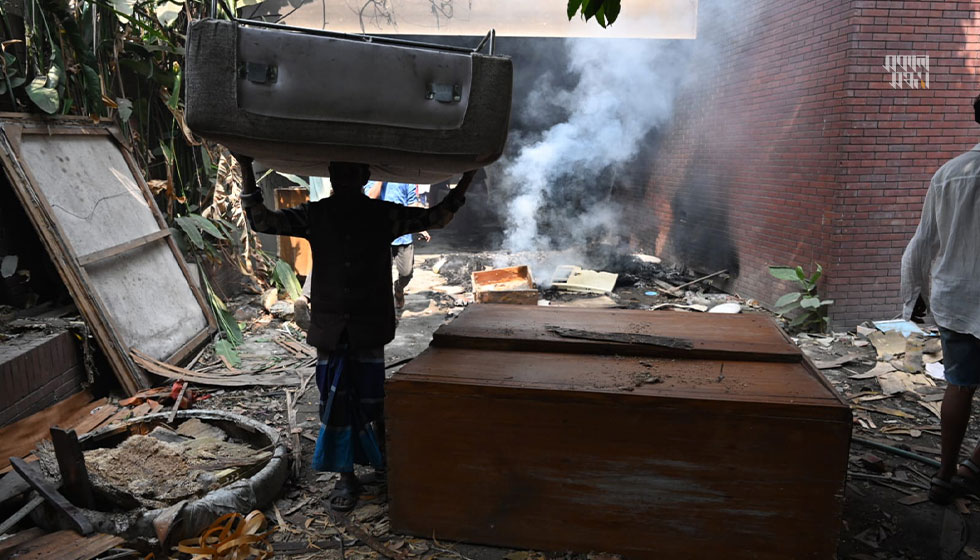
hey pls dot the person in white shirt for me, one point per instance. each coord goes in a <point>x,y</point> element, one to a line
<point>941,274</point>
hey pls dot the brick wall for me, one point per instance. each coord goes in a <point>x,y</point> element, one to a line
<point>38,370</point>
<point>895,140</point>
<point>791,147</point>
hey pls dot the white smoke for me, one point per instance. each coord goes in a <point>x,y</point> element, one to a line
<point>625,89</point>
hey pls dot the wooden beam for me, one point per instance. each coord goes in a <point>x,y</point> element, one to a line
<point>77,520</point>
<point>108,253</point>
<point>71,463</point>
<point>20,514</point>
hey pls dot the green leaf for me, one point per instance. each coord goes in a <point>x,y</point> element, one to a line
<point>125,108</point>
<point>590,7</point>
<point>174,100</point>
<point>826,302</point>
<point>168,152</point>
<point>47,99</point>
<point>816,275</point>
<point>294,179</point>
<point>800,275</point>
<point>93,90</point>
<point>612,8</point>
<point>225,349</point>
<point>284,276</point>
<point>191,229</point>
<point>788,299</point>
<point>573,7</point>
<point>783,273</point>
<point>802,320</point>
<point>226,321</point>
<point>15,81</point>
<point>207,226</point>
<point>600,16</point>
<point>810,302</point>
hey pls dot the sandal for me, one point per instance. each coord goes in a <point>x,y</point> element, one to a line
<point>968,484</point>
<point>344,496</point>
<point>941,491</point>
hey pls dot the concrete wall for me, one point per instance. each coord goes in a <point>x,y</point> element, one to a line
<point>795,149</point>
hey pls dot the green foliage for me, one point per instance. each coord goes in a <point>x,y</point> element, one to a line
<point>225,349</point>
<point>106,58</point>
<point>195,226</point>
<point>226,321</point>
<point>808,309</point>
<point>604,11</point>
<point>285,278</point>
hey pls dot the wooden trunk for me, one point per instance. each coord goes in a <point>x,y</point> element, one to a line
<point>648,434</point>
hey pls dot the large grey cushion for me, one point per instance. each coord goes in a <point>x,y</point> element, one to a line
<point>296,101</point>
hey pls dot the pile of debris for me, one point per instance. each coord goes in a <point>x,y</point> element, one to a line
<point>166,466</point>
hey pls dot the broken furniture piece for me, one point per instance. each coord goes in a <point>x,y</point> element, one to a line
<point>91,207</point>
<point>34,543</point>
<point>577,279</point>
<point>505,285</point>
<point>414,112</point>
<point>646,434</point>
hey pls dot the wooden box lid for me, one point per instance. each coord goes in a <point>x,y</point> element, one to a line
<point>619,331</point>
<point>740,359</point>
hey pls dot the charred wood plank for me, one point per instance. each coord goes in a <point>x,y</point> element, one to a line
<point>78,521</point>
<point>71,464</point>
<point>622,338</point>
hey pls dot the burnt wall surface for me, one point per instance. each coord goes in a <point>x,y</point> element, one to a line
<point>790,145</point>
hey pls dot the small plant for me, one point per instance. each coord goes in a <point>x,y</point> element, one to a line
<point>809,309</point>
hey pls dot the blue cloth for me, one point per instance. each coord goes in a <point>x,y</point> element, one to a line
<point>351,387</point>
<point>961,356</point>
<point>405,194</point>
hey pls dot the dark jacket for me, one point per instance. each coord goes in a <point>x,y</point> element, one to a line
<point>350,235</point>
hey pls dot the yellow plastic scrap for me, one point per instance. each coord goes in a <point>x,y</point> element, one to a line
<point>232,537</point>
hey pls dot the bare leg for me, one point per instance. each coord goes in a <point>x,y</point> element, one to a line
<point>957,405</point>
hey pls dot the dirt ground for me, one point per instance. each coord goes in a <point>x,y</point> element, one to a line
<point>886,515</point>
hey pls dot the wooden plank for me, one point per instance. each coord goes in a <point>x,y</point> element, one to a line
<point>11,484</point>
<point>751,337</point>
<point>233,380</point>
<point>620,380</point>
<point>16,540</point>
<point>19,438</point>
<point>93,421</point>
<point>623,338</point>
<point>50,494</point>
<point>71,464</point>
<point>104,254</point>
<point>63,545</point>
<point>20,514</point>
<point>694,479</point>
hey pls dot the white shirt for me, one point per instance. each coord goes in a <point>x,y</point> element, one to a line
<point>946,248</point>
<point>320,188</point>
